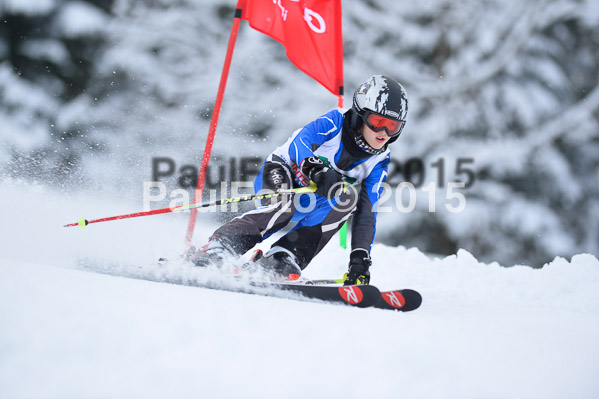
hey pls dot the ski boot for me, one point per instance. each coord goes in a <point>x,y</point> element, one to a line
<point>359,263</point>
<point>214,253</point>
<point>280,263</point>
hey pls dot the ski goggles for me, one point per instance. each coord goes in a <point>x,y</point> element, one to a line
<point>378,122</point>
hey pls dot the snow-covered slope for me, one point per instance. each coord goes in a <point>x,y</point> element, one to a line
<point>483,331</point>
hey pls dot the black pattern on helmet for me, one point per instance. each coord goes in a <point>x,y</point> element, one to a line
<point>384,96</point>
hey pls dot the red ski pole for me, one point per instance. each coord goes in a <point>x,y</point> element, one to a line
<point>301,190</point>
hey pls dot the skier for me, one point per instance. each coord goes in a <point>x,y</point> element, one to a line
<point>338,152</point>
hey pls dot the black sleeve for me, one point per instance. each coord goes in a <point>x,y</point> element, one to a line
<point>363,223</point>
<point>364,219</point>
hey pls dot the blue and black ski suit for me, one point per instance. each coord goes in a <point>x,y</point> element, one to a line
<point>331,138</point>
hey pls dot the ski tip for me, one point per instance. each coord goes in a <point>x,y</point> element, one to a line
<point>404,300</point>
<point>413,300</point>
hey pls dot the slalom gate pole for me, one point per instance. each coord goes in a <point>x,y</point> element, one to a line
<point>301,190</point>
<point>214,122</point>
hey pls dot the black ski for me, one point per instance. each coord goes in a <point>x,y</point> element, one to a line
<point>404,300</point>
<point>358,296</point>
<point>362,296</point>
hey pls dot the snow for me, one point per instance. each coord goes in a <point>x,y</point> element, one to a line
<point>147,74</point>
<point>483,330</point>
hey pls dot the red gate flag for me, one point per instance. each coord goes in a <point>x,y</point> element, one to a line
<point>310,31</point>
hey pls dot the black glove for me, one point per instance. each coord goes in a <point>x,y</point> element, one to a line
<point>359,263</point>
<point>275,177</point>
<point>329,183</point>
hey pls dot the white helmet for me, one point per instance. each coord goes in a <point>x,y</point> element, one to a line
<point>382,103</point>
